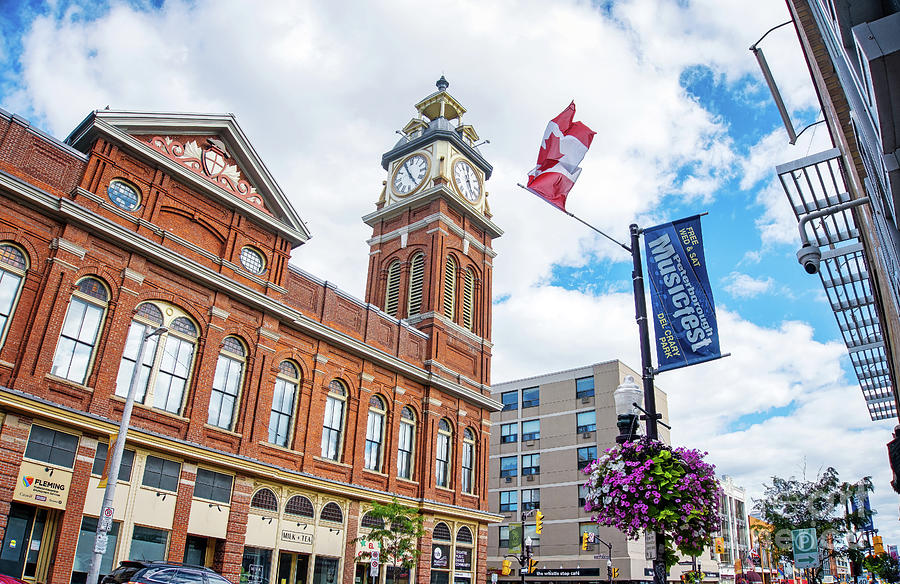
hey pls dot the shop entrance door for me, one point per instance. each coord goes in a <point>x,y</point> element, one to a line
<point>27,541</point>
<point>292,568</point>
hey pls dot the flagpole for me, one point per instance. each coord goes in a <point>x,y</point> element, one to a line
<point>579,219</point>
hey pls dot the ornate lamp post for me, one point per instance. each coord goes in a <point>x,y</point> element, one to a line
<point>626,396</point>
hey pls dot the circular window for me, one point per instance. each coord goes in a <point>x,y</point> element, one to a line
<point>123,195</point>
<point>252,260</point>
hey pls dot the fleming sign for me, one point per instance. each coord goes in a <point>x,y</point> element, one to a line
<point>684,314</point>
<point>41,485</point>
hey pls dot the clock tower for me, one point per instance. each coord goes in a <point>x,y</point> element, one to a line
<point>430,260</point>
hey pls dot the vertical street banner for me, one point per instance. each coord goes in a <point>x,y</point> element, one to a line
<point>684,314</point>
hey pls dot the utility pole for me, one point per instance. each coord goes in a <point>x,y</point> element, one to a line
<point>104,522</point>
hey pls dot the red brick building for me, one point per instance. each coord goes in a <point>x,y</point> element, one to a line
<point>275,407</point>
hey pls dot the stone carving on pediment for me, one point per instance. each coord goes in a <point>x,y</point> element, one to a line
<point>210,161</point>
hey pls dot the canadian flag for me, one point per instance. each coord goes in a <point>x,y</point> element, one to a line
<point>564,145</point>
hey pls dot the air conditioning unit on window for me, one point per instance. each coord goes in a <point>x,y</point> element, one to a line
<point>528,443</point>
<point>586,400</point>
<point>586,435</point>
<point>508,479</point>
<point>530,478</point>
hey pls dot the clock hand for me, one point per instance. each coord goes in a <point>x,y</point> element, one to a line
<point>406,168</point>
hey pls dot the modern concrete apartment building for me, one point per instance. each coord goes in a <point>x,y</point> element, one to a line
<point>550,427</point>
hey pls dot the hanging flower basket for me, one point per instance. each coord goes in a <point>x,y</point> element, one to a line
<point>648,485</point>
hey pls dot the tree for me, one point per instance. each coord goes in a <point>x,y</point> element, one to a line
<point>790,504</point>
<point>885,566</point>
<point>397,529</point>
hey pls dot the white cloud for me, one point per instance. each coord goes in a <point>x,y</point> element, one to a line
<point>746,286</point>
<point>320,90</point>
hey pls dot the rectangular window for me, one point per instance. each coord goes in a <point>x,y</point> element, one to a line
<point>324,570</point>
<point>256,564</point>
<point>77,340</point>
<point>84,549</point>
<point>582,495</point>
<point>161,474</point>
<point>225,389</point>
<point>508,466</point>
<point>586,455</point>
<point>510,400</point>
<point>50,446</point>
<point>531,531</point>
<point>334,423</point>
<point>586,421</point>
<point>531,464</point>
<point>584,387</point>
<point>592,529</point>
<point>214,486</point>
<point>509,501</point>
<point>531,397</point>
<point>508,433</point>
<point>531,430</point>
<point>148,543</point>
<point>504,536</point>
<point>282,412</point>
<point>531,499</point>
<point>124,467</point>
<point>405,451</point>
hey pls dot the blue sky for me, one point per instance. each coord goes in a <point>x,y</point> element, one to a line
<point>684,125</point>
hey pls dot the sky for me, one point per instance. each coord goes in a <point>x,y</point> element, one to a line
<point>684,122</point>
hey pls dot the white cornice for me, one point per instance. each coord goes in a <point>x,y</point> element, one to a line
<point>424,222</point>
<point>100,226</point>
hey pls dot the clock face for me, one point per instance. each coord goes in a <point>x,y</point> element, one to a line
<point>410,174</point>
<point>467,181</point>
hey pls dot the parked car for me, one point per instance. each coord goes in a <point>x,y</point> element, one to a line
<point>145,572</point>
<point>4,579</point>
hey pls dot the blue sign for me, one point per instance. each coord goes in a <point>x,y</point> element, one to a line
<point>684,314</point>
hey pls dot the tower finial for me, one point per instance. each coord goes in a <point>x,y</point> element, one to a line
<point>442,84</point>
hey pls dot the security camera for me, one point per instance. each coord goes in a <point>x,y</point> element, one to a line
<point>809,257</point>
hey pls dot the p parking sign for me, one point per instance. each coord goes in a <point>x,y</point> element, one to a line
<point>806,547</point>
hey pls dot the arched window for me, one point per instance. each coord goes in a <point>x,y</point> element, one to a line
<point>468,462</point>
<point>406,445</point>
<point>464,535</point>
<point>282,416</point>
<point>300,506</point>
<point>442,454</point>
<point>441,532</point>
<point>13,265</point>
<point>372,522</point>
<point>332,512</point>
<point>167,360</point>
<point>227,383</point>
<point>469,300</point>
<point>264,499</point>
<point>374,433</point>
<point>392,289</point>
<point>450,288</point>
<point>416,280</point>
<point>333,426</point>
<point>81,327</point>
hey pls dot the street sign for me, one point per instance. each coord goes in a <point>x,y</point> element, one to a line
<point>100,543</point>
<point>494,578</point>
<point>806,547</point>
<point>373,569</point>
<point>650,545</point>
<point>601,557</point>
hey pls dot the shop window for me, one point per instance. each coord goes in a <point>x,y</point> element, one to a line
<point>51,446</point>
<point>256,566</point>
<point>374,433</point>
<point>13,265</point>
<point>84,549</point>
<point>213,486</point>
<point>281,418</point>
<point>300,506</point>
<point>167,359</point>
<point>406,443</point>
<point>332,512</point>
<point>264,499</point>
<point>333,427</point>
<point>75,349</point>
<point>148,543</point>
<point>442,454</point>
<point>227,382</point>
<point>161,474</point>
<point>125,466</point>
<point>325,570</point>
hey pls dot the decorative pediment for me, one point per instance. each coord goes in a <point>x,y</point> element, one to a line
<point>208,157</point>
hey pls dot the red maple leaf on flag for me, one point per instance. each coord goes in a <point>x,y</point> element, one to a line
<point>550,153</point>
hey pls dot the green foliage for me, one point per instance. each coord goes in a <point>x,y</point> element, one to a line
<point>885,566</point>
<point>398,538</point>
